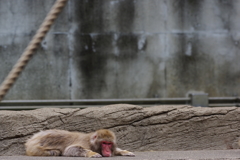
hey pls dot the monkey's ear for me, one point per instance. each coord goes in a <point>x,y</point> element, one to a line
<point>93,138</point>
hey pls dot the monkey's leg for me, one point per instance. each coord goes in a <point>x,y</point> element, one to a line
<point>40,151</point>
<point>78,151</point>
<point>52,152</point>
<point>120,152</point>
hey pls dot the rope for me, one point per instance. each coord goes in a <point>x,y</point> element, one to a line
<point>33,45</point>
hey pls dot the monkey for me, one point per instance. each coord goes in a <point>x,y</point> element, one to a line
<point>101,143</point>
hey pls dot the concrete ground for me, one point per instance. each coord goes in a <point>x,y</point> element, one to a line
<point>160,155</point>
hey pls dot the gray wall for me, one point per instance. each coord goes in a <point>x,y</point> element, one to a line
<point>124,48</point>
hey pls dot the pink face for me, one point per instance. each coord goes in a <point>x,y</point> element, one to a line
<point>106,148</point>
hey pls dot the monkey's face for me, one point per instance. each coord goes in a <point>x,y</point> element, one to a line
<point>106,148</point>
<point>103,142</point>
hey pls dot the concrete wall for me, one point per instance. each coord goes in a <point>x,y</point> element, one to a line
<point>124,48</point>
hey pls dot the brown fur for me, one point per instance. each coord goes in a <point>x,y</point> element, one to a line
<point>76,144</point>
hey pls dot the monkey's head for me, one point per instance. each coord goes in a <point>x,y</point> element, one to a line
<point>103,142</point>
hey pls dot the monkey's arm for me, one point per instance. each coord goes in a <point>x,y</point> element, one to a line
<point>120,152</point>
<point>79,151</point>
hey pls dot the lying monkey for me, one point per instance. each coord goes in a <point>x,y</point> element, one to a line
<point>74,144</point>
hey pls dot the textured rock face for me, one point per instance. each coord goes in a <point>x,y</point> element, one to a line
<point>137,128</point>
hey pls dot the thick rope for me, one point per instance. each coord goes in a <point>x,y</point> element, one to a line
<point>33,45</point>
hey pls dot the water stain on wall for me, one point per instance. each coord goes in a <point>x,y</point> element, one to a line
<point>95,48</point>
<point>89,15</point>
<point>125,16</point>
<point>192,68</point>
<point>188,13</point>
<point>226,10</point>
<point>127,45</point>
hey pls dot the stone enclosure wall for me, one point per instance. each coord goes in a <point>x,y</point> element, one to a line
<point>124,48</point>
<point>137,128</point>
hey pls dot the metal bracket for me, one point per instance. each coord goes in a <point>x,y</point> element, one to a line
<point>199,99</point>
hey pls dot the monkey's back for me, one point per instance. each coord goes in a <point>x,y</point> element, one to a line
<point>52,139</point>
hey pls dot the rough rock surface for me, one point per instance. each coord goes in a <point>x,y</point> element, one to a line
<point>137,128</point>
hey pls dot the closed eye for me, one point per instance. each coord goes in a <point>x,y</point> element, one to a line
<point>106,143</point>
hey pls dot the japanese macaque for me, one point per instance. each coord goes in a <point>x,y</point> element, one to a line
<point>101,143</point>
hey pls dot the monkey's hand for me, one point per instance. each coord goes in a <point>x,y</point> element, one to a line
<point>92,154</point>
<point>127,153</point>
<point>121,152</point>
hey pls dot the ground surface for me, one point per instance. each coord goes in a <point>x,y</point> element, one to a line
<point>208,154</point>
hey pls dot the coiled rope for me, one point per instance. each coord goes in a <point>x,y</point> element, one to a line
<point>33,45</point>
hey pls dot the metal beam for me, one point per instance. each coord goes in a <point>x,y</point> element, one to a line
<point>83,103</point>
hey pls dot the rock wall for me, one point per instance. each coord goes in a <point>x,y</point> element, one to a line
<point>137,128</point>
<point>124,48</point>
